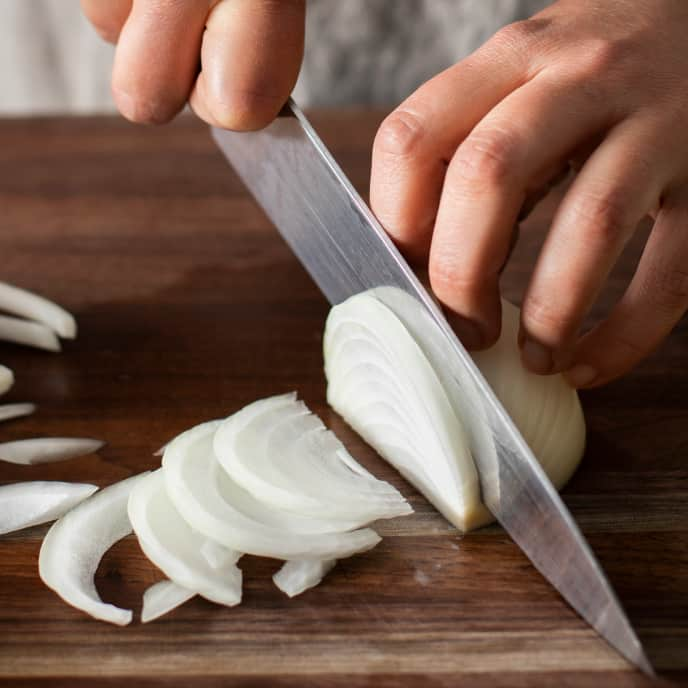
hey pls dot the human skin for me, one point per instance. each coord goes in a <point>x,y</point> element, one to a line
<point>602,83</point>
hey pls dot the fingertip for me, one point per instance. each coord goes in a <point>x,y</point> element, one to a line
<point>142,110</point>
<point>581,376</point>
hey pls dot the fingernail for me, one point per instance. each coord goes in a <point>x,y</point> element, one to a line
<point>536,357</point>
<point>581,375</point>
<point>469,333</point>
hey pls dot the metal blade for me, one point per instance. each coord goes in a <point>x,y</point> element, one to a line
<point>341,244</point>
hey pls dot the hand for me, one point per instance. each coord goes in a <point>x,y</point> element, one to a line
<point>248,52</point>
<point>606,81</point>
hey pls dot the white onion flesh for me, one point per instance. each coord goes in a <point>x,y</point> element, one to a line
<point>75,544</point>
<point>214,505</point>
<point>217,555</point>
<point>27,504</point>
<point>299,575</point>
<point>28,333</point>
<point>6,379</point>
<point>385,386</point>
<point>47,449</point>
<point>11,411</point>
<point>171,544</point>
<point>161,598</point>
<point>28,305</point>
<point>279,451</point>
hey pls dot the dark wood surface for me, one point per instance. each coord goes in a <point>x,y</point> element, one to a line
<point>190,306</point>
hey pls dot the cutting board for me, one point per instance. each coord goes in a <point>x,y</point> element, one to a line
<point>190,306</point>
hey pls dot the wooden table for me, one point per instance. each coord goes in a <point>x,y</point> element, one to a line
<point>190,306</point>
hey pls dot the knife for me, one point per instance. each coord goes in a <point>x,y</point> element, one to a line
<point>341,244</point>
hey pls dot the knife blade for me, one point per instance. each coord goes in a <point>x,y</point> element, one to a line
<point>338,240</point>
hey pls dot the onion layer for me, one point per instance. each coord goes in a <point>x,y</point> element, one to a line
<point>47,449</point>
<point>299,575</point>
<point>161,598</point>
<point>10,411</point>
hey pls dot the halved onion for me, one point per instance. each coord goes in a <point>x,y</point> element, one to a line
<point>162,597</point>
<point>280,452</point>
<point>47,449</point>
<point>299,575</point>
<point>29,333</point>
<point>214,505</point>
<point>75,544</point>
<point>170,543</point>
<point>27,504</point>
<point>385,385</point>
<point>10,411</point>
<point>28,305</point>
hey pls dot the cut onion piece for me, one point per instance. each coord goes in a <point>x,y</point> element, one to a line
<point>382,380</point>
<point>10,411</point>
<point>217,507</point>
<point>298,575</point>
<point>47,449</point>
<point>217,555</point>
<point>23,505</point>
<point>75,544</point>
<point>28,305</point>
<point>162,597</point>
<point>280,452</point>
<point>6,379</point>
<point>28,333</point>
<point>170,543</point>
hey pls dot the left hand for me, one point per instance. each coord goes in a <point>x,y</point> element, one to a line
<point>454,164</point>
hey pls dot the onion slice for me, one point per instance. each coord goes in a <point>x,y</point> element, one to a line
<point>162,597</point>
<point>28,305</point>
<point>280,452</point>
<point>298,575</point>
<point>27,504</point>
<point>6,379</point>
<point>170,543</point>
<point>10,411</point>
<point>214,505</point>
<point>28,333</point>
<point>75,544</point>
<point>47,449</point>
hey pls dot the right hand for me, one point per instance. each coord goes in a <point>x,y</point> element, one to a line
<point>234,61</point>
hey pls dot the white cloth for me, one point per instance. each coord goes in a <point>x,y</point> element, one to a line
<point>357,51</point>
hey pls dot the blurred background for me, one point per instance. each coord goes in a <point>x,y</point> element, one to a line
<point>358,52</point>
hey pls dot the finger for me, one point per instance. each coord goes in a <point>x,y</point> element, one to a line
<point>620,182</point>
<point>654,302</point>
<point>251,55</point>
<point>414,144</point>
<point>157,58</point>
<point>502,162</point>
<point>107,17</point>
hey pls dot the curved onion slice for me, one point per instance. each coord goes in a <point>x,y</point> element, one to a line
<point>10,411</point>
<point>6,379</point>
<point>28,333</point>
<point>162,597</point>
<point>280,452</point>
<point>384,384</point>
<point>170,543</point>
<point>47,449</point>
<point>31,503</point>
<point>214,505</point>
<point>298,575</point>
<point>75,544</point>
<point>28,305</point>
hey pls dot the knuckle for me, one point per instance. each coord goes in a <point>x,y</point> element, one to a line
<point>245,109</point>
<point>541,318</point>
<point>602,216</point>
<point>487,157</point>
<point>599,57</point>
<point>521,35</point>
<point>449,278</point>
<point>399,134</point>
<point>665,289</point>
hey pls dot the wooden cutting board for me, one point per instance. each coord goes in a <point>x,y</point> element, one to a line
<point>189,307</point>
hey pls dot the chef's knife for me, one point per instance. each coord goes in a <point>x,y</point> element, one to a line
<point>346,251</point>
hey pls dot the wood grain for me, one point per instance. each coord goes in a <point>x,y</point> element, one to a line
<point>190,306</point>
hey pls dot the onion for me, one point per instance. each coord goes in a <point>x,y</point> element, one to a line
<point>6,379</point>
<point>29,333</point>
<point>33,307</point>
<point>31,503</point>
<point>299,575</point>
<point>170,543</point>
<point>75,544</point>
<point>10,411</point>
<point>162,597</point>
<point>277,450</point>
<point>382,379</point>
<point>47,449</point>
<point>214,505</point>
